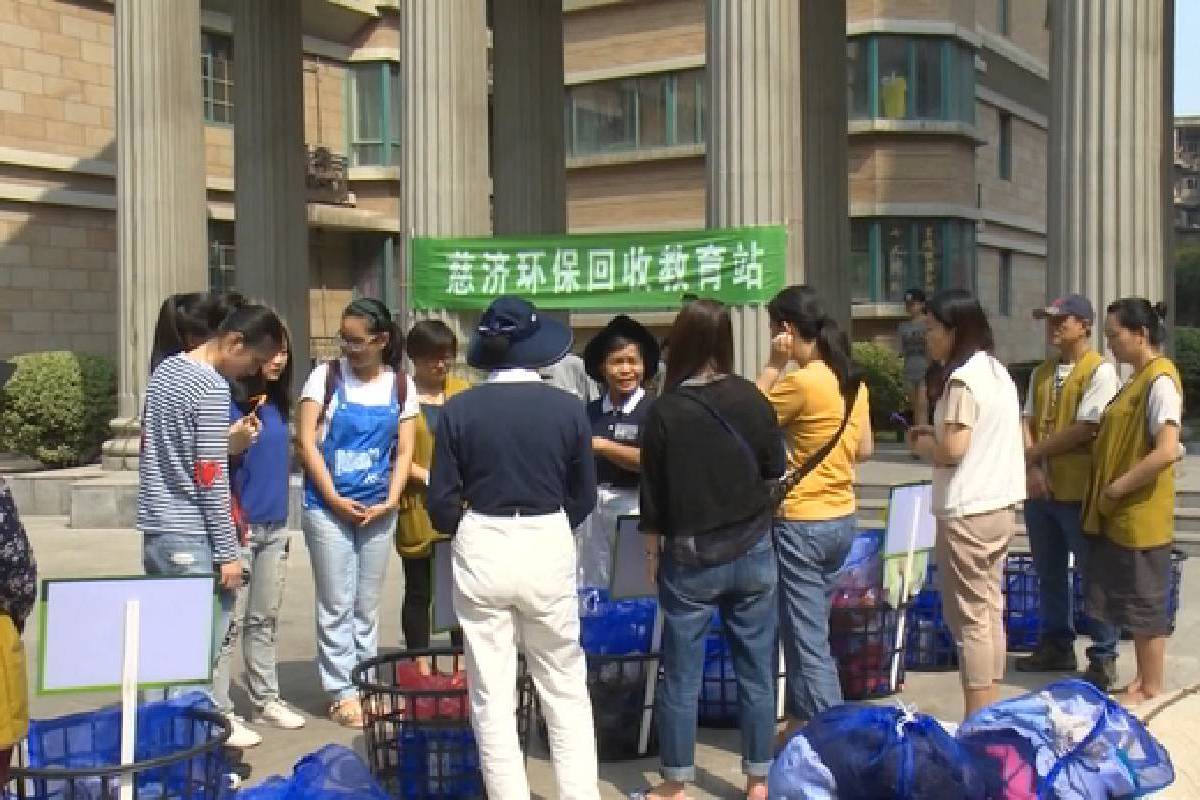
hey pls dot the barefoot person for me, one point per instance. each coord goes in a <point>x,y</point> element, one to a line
<point>512,475</point>
<point>1130,500</point>
<point>1067,394</point>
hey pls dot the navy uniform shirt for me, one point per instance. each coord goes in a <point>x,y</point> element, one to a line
<point>622,425</point>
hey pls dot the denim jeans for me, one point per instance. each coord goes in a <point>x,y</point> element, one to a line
<point>1055,531</point>
<point>810,554</point>
<point>255,618</point>
<point>744,592</point>
<point>349,564</point>
<point>188,554</point>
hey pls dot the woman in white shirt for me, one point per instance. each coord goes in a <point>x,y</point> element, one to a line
<point>977,451</point>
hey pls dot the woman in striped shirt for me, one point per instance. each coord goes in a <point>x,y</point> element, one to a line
<point>183,481</point>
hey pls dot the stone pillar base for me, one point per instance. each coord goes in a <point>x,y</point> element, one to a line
<point>122,451</point>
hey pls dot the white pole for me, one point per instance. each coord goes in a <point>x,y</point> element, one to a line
<point>781,687</point>
<point>129,687</point>
<point>897,651</point>
<point>651,683</point>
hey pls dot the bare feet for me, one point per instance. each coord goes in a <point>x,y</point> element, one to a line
<point>1134,694</point>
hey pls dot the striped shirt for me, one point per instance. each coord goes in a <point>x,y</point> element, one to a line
<point>183,475</point>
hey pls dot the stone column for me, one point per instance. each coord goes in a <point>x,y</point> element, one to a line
<point>529,177</point>
<point>777,143</point>
<point>1109,215</point>
<point>161,209</point>
<point>444,129</point>
<point>271,230</point>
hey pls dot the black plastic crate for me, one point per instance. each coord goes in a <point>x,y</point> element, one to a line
<point>928,643</point>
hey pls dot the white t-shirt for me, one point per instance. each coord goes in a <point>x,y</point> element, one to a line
<point>378,392</point>
<point>1100,391</point>
<point>1164,405</point>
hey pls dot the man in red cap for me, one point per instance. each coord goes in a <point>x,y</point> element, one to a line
<point>1067,394</point>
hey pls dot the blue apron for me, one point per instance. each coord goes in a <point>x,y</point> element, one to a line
<point>359,445</point>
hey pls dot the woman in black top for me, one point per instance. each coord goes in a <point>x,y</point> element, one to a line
<point>710,442</point>
<point>621,358</point>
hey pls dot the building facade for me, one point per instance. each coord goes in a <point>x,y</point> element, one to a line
<point>1186,191</point>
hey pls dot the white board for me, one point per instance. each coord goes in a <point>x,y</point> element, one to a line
<point>910,521</point>
<point>629,577</point>
<point>83,631</point>
<point>444,618</point>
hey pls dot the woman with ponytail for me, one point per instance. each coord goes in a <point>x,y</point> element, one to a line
<point>822,407</point>
<point>354,432</point>
<point>1129,506</point>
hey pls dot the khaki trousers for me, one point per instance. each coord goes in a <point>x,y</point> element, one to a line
<point>970,555</point>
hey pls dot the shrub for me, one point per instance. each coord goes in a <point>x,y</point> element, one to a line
<point>885,382</point>
<point>57,407</point>
<point>1187,358</point>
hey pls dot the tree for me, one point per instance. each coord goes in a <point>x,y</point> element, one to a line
<point>1187,286</point>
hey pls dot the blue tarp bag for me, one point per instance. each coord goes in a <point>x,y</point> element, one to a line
<point>1074,743</point>
<point>332,773</point>
<point>798,773</point>
<point>614,627</point>
<point>894,753</point>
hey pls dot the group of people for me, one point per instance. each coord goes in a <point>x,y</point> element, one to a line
<point>745,492</point>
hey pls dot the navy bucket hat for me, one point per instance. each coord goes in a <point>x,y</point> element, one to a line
<point>513,334</point>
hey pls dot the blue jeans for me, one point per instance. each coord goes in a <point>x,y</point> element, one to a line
<point>188,554</point>
<point>1055,531</point>
<point>349,564</point>
<point>255,618</point>
<point>744,592</point>
<point>810,554</point>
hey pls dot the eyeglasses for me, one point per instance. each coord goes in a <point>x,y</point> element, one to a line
<point>355,346</point>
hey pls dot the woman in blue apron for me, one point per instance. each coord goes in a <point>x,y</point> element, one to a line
<point>355,440</point>
<point>621,358</point>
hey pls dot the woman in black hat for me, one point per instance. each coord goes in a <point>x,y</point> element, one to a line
<point>512,475</point>
<point>621,358</point>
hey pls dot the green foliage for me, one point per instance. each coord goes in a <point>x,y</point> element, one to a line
<point>1187,286</point>
<point>1187,358</point>
<point>885,382</point>
<point>57,407</point>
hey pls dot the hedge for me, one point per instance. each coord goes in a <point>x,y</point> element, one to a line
<point>885,382</point>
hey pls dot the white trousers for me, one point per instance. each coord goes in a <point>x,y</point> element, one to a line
<point>514,578</point>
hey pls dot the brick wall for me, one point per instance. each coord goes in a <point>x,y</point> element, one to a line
<point>912,168</point>
<point>960,11</point>
<point>610,37</point>
<point>325,103</point>
<point>1018,337</point>
<point>644,196</point>
<point>1025,194</point>
<point>1026,24</point>
<point>58,280</point>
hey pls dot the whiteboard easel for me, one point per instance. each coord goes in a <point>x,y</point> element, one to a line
<point>909,527</point>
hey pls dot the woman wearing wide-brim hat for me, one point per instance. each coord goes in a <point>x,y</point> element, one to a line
<point>512,475</point>
<point>621,358</point>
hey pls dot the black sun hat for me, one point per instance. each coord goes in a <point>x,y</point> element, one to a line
<point>625,327</point>
<point>511,333</point>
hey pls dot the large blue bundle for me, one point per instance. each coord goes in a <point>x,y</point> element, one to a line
<point>332,773</point>
<point>877,752</point>
<point>1069,742</point>
<point>798,773</point>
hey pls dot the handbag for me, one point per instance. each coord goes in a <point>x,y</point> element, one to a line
<point>777,488</point>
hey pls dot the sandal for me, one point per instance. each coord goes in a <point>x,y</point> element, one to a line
<point>348,713</point>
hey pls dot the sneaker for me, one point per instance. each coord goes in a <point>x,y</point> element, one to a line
<point>1101,673</point>
<point>1049,657</point>
<point>279,714</point>
<point>242,737</point>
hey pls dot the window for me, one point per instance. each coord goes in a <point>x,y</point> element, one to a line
<point>216,77</point>
<point>375,114</point>
<point>910,77</point>
<point>1004,147</point>
<point>1005,283</point>
<point>1002,17</point>
<point>890,256</point>
<point>222,272</point>
<point>636,113</point>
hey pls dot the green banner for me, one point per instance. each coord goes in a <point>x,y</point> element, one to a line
<point>606,271</point>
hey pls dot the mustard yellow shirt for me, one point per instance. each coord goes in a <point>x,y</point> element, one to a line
<point>810,407</point>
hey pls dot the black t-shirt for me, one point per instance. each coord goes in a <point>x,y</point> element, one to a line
<point>621,428</point>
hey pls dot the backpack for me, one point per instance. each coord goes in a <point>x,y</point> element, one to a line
<point>333,379</point>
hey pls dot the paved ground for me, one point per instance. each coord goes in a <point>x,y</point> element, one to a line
<point>63,552</point>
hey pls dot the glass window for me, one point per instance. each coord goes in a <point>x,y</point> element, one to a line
<point>216,77</point>
<point>1005,281</point>
<point>1002,17</point>
<point>222,266</point>
<point>631,113</point>
<point>910,77</point>
<point>375,114</point>
<point>890,256</point>
<point>1004,147</point>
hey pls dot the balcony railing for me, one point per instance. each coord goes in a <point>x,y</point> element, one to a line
<point>326,176</point>
<point>1187,158</point>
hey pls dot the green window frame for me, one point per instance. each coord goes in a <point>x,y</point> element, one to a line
<point>955,76</point>
<point>1003,17</point>
<point>1004,143</point>
<point>1004,280</point>
<point>930,253</point>
<point>373,122</point>
<point>222,257</point>
<point>216,78</point>
<point>683,123</point>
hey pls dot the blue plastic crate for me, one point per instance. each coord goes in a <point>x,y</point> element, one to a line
<point>1022,603</point>
<point>928,643</point>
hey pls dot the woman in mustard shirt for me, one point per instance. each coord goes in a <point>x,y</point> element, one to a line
<point>431,347</point>
<point>1130,501</point>
<point>823,400</point>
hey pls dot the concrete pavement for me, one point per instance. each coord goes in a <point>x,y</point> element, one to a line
<point>65,552</point>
